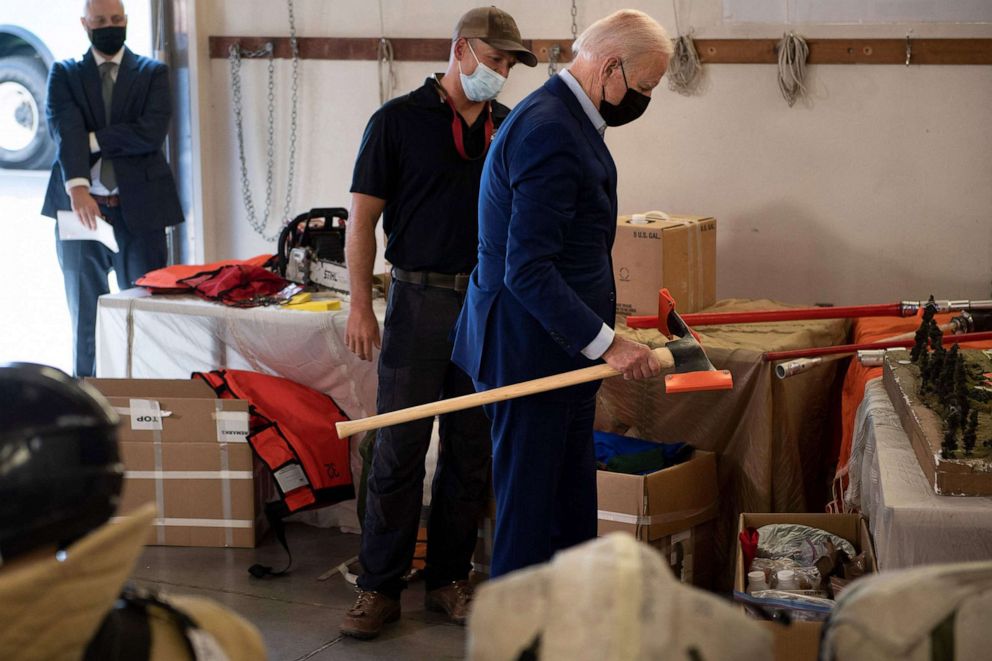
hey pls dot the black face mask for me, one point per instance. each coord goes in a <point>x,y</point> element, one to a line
<point>631,106</point>
<point>108,40</point>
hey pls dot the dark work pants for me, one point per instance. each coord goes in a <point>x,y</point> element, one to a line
<point>85,266</point>
<point>544,476</point>
<point>415,368</point>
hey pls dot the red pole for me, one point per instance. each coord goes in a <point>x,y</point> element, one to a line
<point>788,314</point>
<point>851,348</point>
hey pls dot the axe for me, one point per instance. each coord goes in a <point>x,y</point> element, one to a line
<point>693,372</point>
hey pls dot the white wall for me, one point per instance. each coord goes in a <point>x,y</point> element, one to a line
<point>879,189</point>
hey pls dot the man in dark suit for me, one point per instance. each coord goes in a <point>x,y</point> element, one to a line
<point>109,115</point>
<point>542,298</point>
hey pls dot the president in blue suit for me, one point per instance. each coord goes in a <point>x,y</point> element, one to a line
<point>542,298</point>
<point>109,115</point>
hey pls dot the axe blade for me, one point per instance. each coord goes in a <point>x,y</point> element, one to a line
<point>693,370</point>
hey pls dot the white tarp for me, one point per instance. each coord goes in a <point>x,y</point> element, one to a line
<point>911,524</point>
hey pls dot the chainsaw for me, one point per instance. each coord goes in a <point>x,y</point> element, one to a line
<point>311,250</point>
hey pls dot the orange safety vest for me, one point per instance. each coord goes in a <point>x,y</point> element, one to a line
<point>292,431</point>
<point>168,280</point>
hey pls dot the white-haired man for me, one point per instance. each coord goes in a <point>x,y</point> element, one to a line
<point>542,298</point>
<point>419,166</point>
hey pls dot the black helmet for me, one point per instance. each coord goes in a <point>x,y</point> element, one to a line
<point>60,472</point>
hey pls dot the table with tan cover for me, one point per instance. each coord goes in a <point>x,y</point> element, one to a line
<point>771,436</point>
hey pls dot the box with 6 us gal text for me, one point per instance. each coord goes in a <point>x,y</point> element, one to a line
<point>655,250</point>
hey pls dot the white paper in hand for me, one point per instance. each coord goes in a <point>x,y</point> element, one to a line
<point>72,229</point>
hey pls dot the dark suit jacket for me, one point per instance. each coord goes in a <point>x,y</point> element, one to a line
<point>547,219</point>
<point>139,121</point>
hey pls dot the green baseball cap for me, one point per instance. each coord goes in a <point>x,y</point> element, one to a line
<point>496,28</point>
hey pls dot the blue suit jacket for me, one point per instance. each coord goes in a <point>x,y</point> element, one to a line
<point>547,219</point>
<point>139,122</point>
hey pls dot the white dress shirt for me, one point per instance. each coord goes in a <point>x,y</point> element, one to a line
<point>604,338</point>
<point>97,187</point>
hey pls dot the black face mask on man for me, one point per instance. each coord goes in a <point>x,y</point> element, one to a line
<point>631,106</point>
<point>108,40</point>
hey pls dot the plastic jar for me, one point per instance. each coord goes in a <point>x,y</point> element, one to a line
<point>756,581</point>
<point>787,580</point>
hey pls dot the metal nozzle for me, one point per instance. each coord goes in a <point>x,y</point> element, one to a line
<point>797,366</point>
<point>872,357</point>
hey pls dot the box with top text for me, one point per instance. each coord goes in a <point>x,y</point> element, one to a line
<point>187,451</point>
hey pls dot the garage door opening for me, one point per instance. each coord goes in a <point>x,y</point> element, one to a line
<point>32,295</point>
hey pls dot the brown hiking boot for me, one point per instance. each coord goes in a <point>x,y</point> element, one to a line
<point>369,614</point>
<point>455,599</point>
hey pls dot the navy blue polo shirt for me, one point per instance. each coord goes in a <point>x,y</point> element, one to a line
<point>408,158</point>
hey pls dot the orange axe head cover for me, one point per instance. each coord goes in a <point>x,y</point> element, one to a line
<point>697,381</point>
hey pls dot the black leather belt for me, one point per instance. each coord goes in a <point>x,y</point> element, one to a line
<point>457,282</point>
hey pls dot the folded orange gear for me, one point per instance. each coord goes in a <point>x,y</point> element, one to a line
<point>167,280</point>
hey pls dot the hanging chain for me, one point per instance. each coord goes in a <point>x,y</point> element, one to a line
<point>387,77</point>
<point>384,54</point>
<point>554,52</point>
<point>234,57</point>
<point>295,48</point>
<point>575,26</point>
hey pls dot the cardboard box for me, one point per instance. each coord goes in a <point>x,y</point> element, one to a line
<point>679,254</point>
<point>667,509</point>
<point>661,503</point>
<point>690,554</point>
<point>187,452</point>
<point>801,640</point>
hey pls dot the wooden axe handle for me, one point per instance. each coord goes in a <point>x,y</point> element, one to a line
<point>429,410</point>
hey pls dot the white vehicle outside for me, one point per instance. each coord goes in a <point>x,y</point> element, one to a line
<point>33,35</point>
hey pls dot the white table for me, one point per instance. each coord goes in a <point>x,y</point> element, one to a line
<point>911,525</point>
<point>170,337</point>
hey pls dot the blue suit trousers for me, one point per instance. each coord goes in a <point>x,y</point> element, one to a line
<point>85,267</point>
<point>544,477</point>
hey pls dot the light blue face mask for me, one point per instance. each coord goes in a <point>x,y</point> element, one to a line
<point>483,84</point>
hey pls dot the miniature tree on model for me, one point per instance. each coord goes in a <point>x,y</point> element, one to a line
<point>920,344</point>
<point>945,383</point>
<point>936,336</point>
<point>936,358</point>
<point>924,366</point>
<point>923,332</point>
<point>961,387</point>
<point>950,443</point>
<point>934,366</point>
<point>970,433</point>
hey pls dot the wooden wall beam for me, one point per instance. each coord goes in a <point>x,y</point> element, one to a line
<point>711,51</point>
<point>850,51</point>
<point>364,48</point>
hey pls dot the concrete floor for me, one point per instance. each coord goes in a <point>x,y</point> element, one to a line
<point>297,614</point>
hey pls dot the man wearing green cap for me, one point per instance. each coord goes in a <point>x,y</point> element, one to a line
<point>419,167</point>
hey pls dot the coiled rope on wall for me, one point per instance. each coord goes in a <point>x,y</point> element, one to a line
<point>684,69</point>
<point>792,55</point>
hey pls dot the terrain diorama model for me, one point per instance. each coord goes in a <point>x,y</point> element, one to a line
<point>944,400</point>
